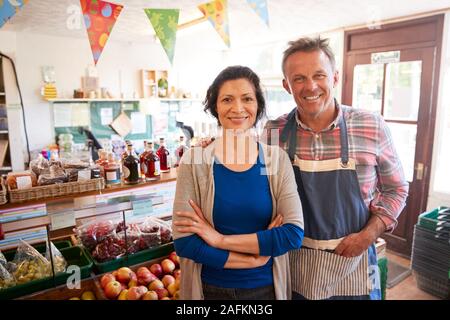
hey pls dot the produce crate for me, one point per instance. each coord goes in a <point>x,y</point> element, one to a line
<point>435,286</point>
<point>429,220</point>
<point>55,190</point>
<point>40,247</point>
<point>73,256</point>
<point>64,293</point>
<point>132,259</point>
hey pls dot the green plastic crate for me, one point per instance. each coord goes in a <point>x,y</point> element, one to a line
<point>73,255</point>
<point>40,247</point>
<point>132,259</point>
<point>382,265</point>
<point>429,220</point>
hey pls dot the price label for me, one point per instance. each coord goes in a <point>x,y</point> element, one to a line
<point>142,207</point>
<point>62,220</point>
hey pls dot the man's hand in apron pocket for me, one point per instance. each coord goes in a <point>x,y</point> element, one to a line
<point>354,245</point>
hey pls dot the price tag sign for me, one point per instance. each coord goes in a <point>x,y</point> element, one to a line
<point>142,207</point>
<point>62,220</point>
<point>61,213</point>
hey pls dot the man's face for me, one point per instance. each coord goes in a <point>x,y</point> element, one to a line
<point>310,78</point>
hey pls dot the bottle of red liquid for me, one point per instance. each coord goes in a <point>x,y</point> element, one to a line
<point>142,159</point>
<point>163,155</point>
<point>152,164</point>
<point>130,167</point>
<point>180,151</point>
<point>102,162</point>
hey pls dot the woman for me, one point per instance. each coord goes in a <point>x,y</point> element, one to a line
<point>236,211</point>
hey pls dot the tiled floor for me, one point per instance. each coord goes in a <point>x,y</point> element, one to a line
<point>407,289</point>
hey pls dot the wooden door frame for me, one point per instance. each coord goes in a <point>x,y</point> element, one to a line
<point>409,35</point>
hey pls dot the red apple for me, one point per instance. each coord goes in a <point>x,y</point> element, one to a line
<point>135,293</point>
<point>124,286</point>
<point>113,289</point>
<point>165,298</point>
<point>162,293</point>
<point>133,283</point>
<point>150,295</point>
<point>106,279</point>
<point>124,275</point>
<point>114,273</point>
<point>145,277</point>
<point>167,279</point>
<point>176,273</point>
<point>156,269</point>
<point>175,259</point>
<point>168,266</point>
<point>156,284</point>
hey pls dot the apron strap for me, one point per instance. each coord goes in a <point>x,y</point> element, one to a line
<point>290,132</point>
<point>344,140</point>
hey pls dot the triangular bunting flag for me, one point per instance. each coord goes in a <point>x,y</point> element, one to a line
<point>9,8</point>
<point>260,7</point>
<point>165,24</point>
<point>99,18</point>
<point>217,13</point>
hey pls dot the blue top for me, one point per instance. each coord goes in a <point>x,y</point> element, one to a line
<point>242,205</point>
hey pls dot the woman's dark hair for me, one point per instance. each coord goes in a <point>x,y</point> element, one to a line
<point>234,73</point>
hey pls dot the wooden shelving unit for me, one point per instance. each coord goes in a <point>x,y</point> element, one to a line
<point>149,82</point>
<point>5,158</point>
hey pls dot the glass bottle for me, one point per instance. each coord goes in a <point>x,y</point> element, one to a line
<point>102,162</point>
<point>163,155</point>
<point>152,164</point>
<point>142,159</point>
<point>180,150</point>
<point>112,170</point>
<point>130,167</point>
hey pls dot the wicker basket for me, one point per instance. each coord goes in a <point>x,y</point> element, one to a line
<point>3,198</point>
<point>55,190</point>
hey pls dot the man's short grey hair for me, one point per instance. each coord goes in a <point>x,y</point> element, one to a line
<point>307,44</point>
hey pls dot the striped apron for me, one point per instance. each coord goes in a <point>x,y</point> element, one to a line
<point>332,209</point>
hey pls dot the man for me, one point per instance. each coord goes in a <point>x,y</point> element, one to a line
<point>349,178</point>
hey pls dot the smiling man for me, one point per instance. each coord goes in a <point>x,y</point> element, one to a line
<point>349,177</point>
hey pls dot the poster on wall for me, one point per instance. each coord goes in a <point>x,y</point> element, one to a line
<point>165,24</point>
<point>217,14</point>
<point>8,8</point>
<point>99,18</point>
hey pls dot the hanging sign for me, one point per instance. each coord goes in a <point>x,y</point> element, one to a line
<point>165,24</point>
<point>260,7</point>
<point>8,8</point>
<point>99,18</point>
<point>217,14</point>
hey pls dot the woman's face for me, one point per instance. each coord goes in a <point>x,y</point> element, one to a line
<point>237,106</point>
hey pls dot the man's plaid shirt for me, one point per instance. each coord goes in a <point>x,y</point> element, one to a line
<point>380,173</point>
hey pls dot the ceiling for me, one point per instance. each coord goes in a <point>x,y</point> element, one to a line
<point>288,18</point>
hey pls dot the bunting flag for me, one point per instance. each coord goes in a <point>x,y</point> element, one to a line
<point>217,13</point>
<point>99,18</point>
<point>9,8</point>
<point>165,24</point>
<point>260,7</point>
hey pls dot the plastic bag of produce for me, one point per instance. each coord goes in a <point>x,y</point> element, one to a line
<point>31,265</point>
<point>6,279</point>
<point>59,263</point>
<point>2,260</point>
<point>131,235</point>
<point>94,232</point>
<point>155,231</point>
<point>111,247</point>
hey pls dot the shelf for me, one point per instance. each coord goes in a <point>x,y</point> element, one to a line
<point>3,131</point>
<point>2,94</point>
<point>5,168</point>
<point>92,100</point>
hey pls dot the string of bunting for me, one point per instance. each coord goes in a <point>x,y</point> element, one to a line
<point>101,16</point>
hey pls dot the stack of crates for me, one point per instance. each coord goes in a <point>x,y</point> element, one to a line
<point>431,256</point>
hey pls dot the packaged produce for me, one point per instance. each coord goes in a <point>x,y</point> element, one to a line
<point>39,165</point>
<point>31,265</point>
<point>21,180</point>
<point>59,263</point>
<point>6,279</point>
<point>56,175</point>
<point>93,233</point>
<point>111,247</point>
